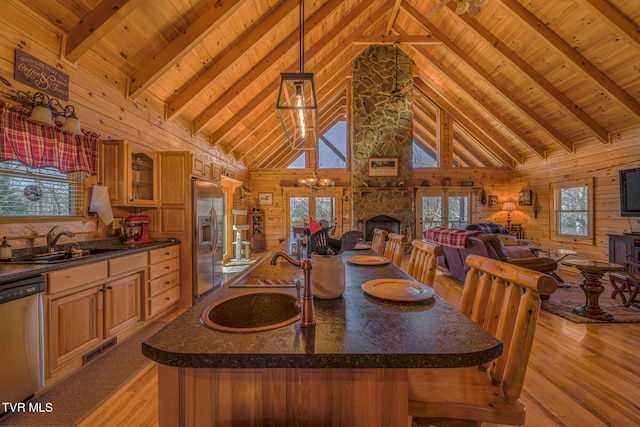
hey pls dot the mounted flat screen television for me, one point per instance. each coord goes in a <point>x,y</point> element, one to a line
<point>630,192</point>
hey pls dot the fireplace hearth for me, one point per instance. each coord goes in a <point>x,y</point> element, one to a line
<point>383,222</point>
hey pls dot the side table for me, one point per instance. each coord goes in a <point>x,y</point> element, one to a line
<point>592,272</point>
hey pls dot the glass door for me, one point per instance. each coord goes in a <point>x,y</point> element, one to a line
<point>324,206</point>
<point>443,208</point>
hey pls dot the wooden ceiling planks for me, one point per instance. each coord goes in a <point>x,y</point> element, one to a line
<point>522,77</point>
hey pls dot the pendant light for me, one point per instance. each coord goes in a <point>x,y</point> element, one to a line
<point>297,107</point>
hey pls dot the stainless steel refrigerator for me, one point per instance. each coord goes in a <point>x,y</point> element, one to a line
<point>208,236</point>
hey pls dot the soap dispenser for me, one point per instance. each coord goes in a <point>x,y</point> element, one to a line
<point>5,250</point>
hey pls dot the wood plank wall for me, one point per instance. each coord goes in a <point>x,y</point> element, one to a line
<point>102,107</point>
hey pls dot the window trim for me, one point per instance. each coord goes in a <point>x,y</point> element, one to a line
<point>554,196</point>
<point>444,193</point>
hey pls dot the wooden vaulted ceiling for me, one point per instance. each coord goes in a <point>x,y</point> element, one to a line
<point>520,79</point>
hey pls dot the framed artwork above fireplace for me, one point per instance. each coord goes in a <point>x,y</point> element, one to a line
<point>383,166</point>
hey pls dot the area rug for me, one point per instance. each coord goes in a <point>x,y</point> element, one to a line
<point>564,299</point>
<point>74,398</point>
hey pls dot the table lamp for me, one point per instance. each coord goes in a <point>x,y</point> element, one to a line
<point>509,207</point>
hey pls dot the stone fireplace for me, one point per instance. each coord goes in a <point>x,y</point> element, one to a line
<point>383,222</point>
<point>381,126</point>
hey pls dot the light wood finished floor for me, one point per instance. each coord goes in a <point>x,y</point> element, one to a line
<point>582,375</point>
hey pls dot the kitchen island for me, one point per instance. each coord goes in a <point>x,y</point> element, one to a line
<point>349,369</point>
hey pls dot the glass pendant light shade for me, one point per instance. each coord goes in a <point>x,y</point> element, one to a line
<point>462,7</point>
<point>72,123</point>
<point>41,114</point>
<point>298,110</point>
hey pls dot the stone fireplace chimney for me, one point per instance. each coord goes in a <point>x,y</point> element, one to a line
<point>381,126</point>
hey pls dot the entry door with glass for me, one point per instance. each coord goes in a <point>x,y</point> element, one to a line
<point>321,205</point>
<point>438,208</point>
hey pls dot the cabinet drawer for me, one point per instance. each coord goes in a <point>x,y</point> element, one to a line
<point>163,300</point>
<point>158,255</point>
<point>127,263</point>
<point>163,283</point>
<point>70,278</point>
<point>162,268</point>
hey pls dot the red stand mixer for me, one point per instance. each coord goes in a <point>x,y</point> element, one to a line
<point>136,230</point>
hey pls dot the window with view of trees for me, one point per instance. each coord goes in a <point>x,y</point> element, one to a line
<point>422,158</point>
<point>572,208</point>
<point>39,192</point>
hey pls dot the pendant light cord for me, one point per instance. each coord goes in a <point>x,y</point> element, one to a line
<point>301,36</point>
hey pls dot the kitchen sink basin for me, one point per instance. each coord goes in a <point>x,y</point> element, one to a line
<point>251,312</point>
<point>62,256</point>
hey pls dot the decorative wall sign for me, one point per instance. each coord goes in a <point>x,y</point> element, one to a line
<point>492,202</point>
<point>383,166</point>
<point>265,199</point>
<point>41,76</point>
<point>524,198</point>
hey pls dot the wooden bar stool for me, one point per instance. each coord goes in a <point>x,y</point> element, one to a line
<point>395,248</point>
<point>423,262</point>
<point>378,242</point>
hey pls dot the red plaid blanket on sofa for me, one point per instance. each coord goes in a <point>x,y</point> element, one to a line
<point>454,237</point>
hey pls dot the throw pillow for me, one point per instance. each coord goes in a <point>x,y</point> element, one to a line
<point>507,240</point>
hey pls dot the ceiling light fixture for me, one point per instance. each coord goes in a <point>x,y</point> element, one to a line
<point>44,109</point>
<point>462,7</point>
<point>297,107</point>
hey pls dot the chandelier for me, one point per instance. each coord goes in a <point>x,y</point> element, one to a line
<point>471,6</point>
<point>297,107</point>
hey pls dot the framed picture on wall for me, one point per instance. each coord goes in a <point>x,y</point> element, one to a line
<point>524,198</point>
<point>265,199</point>
<point>383,166</point>
<point>492,201</point>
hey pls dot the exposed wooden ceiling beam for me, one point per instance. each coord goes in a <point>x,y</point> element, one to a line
<point>268,61</point>
<point>504,155</point>
<point>500,88</point>
<point>609,13</point>
<point>96,25</point>
<point>392,16</point>
<point>581,63</point>
<point>181,45</point>
<point>225,59</point>
<point>426,39</point>
<point>537,79</point>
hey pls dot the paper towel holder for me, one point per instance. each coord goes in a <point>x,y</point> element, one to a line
<point>89,211</point>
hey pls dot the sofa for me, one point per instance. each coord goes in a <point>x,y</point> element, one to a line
<point>457,244</point>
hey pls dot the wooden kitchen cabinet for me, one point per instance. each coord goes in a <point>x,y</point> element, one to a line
<point>75,325</point>
<point>130,172</point>
<point>122,308</point>
<point>200,167</point>
<point>163,287</point>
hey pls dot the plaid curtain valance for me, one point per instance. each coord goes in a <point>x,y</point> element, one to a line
<point>40,146</point>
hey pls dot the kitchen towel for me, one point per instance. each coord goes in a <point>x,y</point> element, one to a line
<point>101,204</point>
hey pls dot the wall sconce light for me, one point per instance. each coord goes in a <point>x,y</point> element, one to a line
<point>509,207</point>
<point>45,108</point>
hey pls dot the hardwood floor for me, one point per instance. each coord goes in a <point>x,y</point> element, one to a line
<point>582,375</point>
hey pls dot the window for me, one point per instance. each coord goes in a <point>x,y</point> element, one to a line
<point>321,205</point>
<point>332,147</point>
<point>300,162</point>
<point>39,192</point>
<point>423,157</point>
<point>438,208</point>
<point>572,210</point>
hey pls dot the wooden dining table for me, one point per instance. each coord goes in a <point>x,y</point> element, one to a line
<point>359,352</point>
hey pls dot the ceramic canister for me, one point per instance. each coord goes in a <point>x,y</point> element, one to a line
<point>327,276</point>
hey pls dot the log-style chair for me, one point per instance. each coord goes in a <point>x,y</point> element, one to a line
<point>505,300</point>
<point>378,241</point>
<point>423,262</point>
<point>395,248</point>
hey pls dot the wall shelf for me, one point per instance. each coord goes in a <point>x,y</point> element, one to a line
<point>362,190</point>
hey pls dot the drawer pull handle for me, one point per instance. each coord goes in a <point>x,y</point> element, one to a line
<point>167,253</point>
<point>167,267</point>
<point>168,298</point>
<point>168,282</point>
<point>109,287</point>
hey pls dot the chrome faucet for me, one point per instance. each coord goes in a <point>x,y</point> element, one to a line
<point>52,239</point>
<point>307,310</point>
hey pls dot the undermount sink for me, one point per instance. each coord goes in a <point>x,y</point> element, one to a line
<point>62,256</point>
<point>251,312</point>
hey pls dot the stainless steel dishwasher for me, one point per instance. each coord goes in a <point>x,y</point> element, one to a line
<point>22,333</point>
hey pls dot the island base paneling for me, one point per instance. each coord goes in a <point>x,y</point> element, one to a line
<point>283,396</point>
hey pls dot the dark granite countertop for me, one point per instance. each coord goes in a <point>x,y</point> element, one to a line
<point>353,331</point>
<point>14,270</point>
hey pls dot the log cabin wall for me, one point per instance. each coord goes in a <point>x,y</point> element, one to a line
<point>102,107</point>
<point>594,160</point>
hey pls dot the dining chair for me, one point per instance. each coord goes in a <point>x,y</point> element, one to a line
<point>346,242</point>
<point>395,248</point>
<point>423,262</point>
<point>379,240</point>
<point>505,300</point>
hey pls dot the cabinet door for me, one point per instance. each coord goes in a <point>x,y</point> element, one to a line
<point>200,167</point>
<point>122,307</point>
<point>142,186</point>
<point>76,325</point>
